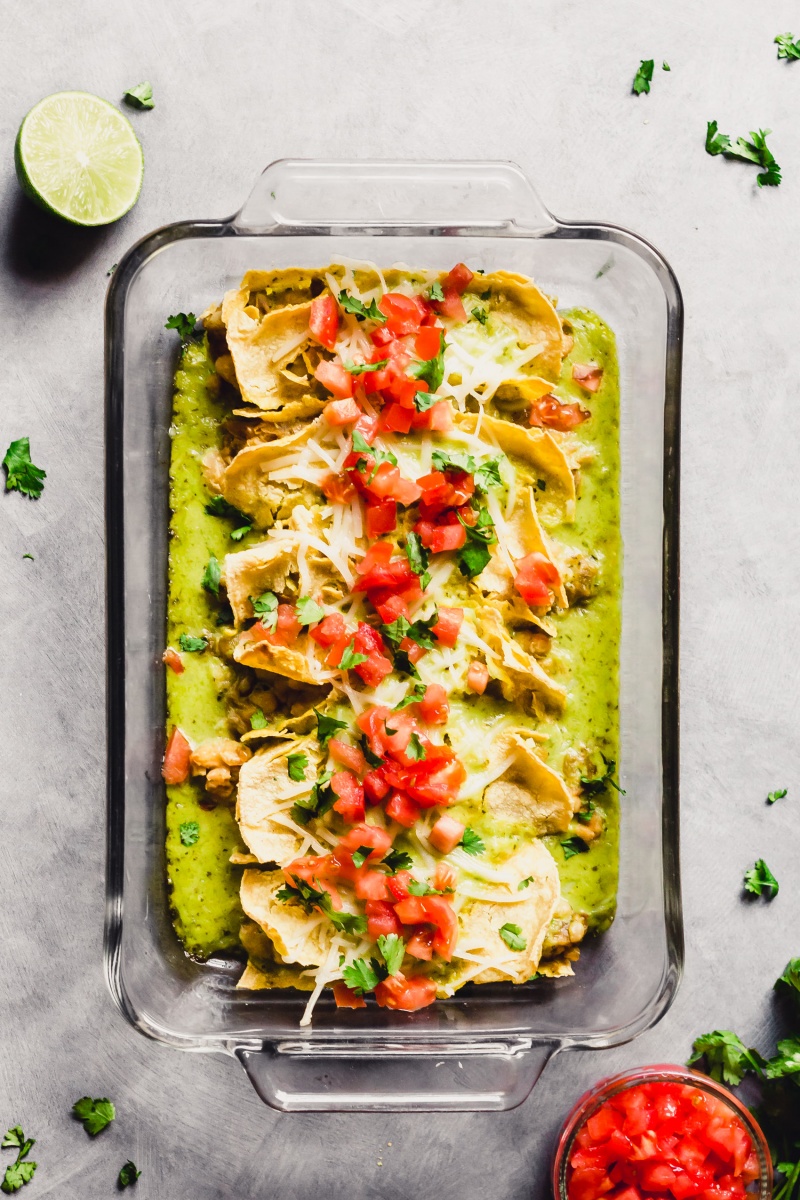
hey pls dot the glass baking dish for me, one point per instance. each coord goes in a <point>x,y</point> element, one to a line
<point>485,1048</point>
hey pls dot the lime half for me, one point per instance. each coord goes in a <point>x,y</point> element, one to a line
<point>78,157</point>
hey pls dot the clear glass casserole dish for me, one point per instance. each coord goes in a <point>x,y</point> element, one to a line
<point>485,1048</point>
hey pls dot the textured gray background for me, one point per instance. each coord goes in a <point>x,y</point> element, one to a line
<point>547,85</point>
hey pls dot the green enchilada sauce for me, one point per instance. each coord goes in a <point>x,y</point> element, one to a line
<point>203,883</point>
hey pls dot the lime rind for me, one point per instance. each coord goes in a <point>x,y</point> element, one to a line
<point>78,157</point>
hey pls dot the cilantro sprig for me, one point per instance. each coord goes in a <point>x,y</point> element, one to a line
<point>190,833</point>
<point>725,1056</point>
<point>644,76</point>
<point>128,1174</point>
<point>95,1114</point>
<point>572,846</point>
<point>755,151</point>
<point>513,937</point>
<point>787,47</point>
<point>759,881</point>
<point>595,785</point>
<point>778,794</point>
<point>184,324</point>
<point>308,611</point>
<point>472,842</point>
<point>21,474</point>
<point>265,607</point>
<point>474,555</point>
<point>309,898</point>
<point>327,727</point>
<point>296,766</point>
<point>192,645</point>
<point>21,1171</point>
<point>361,311</point>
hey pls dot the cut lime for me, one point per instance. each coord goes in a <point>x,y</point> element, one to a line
<point>78,157</point>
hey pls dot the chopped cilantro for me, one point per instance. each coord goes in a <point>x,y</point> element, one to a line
<point>397,860</point>
<point>416,554</point>
<point>788,984</point>
<point>184,323</point>
<point>392,947</point>
<point>350,657</point>
<point>458,460</point>
<point>513,937</point>
<point>523,883</point>
<point>128,1174</point>
<point>296,766</point>
<point>190,833</point>
<point>475,555</point>
<point>488,474</point>
<point>30,556</point>
<point>363,975</point>
<point>594,785</point>
<point>480,314</point>
<point>265,607</point>
<point>140,96</point>
<point>425,400</point>
<point>776,795</point>
<point>416,694</point>
<point>218,506</point>
<point>643,77</point>
<point>359,310</point>
<point>361,446</point>
<point>755,151</point>
<point>430,369</point>
<point>192,645</point>
<point>572,846</point>
<point>20,1172</point>
<point>319,801</point>
<point>361,855</point>
<point>327,727</point>
<point>238,534</point>
<point>786,47</point>
<point>363,368</point>
<point>403,664</point>
<point>472,842</point>
<point>417,631</point>
<point>309,898</point>
<point>435,292</point>
<point>95,1114</point>
<point>21,474</point>
<point>585,815</point>
<point>665,66</point>
<point>759,881</point>
<point>308,611</point>
<point>726,1057</point>
<point>374,760</point>
<point>418,887</point>
<point>415,749</point>
<point>212,575</point>
<point>258,720</point>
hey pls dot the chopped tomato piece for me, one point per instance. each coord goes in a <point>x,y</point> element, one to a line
<point>342,412</point>
<point>173,660</point>
<point>382,919</point>
<point>333,376</point>
<point>375,787</point>
<point>287,627</point>
<point>391,608</point>
<point>345,997</point>
<point>447,537</point>
<point>446,834</point>
<point>372,722</point>
<point>413,651</point>
<point>381,517</point>
<point>411,910</point>
<point>444,876</point>
<point>452,306</point>
<point>409,995</point>
<point>459,278</point>
<point>447,628</point>
<point>371,885</point>
<point>477,677</point>
<point>376,668</point>
<point>428,342</point>
<point>367,427</point>
<point>396,418</point>
<point>420,944</point>
<point>441,787</point>
<point>329,630</point>
<point>402,314</point>
<point>338,489</point>
<point>398,885</point>
<point>588,375</point>
<point>323,320</point>
<point>549,411</point>
<point>350,793</point>
<point>433,707</point>
<point>406,491</point>
<point>399,808</point>
<point>175,768</point>
<point>440,416</point>
<point>535,575</point>
<point>441,914</point>
<point>377,556</point>
<point>364,835</point>
<point>347,755</point>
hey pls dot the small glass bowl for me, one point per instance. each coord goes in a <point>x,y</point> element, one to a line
<point>591,1101</point>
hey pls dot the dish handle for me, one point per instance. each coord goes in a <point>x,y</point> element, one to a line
<point>322,197</point>
<point>354,1077</point>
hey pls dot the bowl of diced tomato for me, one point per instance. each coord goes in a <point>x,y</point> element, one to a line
<point>661,1133</point>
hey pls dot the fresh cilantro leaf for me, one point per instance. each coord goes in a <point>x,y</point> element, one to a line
<point>416,554</point>
<point>435,292</point>
<point>296,766</point>
<point>392,947</point>
<point>425,400</point>
<point>523,883</point>
<point>755,151</point>
<point>596,784</point>
<point>218,506</point>
<point>418,887</point>
<point>475,555</point>
<point>319,801</point>
<point>788,984</point>
<point>415,749</point>
<point>665,66</point>
<point>16,1175</point>
<point>309,898</point>
<point>480,314</point>
<point>344,921</point>
<point>361,446</point>
<point>716,143</point>
<point>265,607</point>
<point>363,975</point>
<point>585,815</point>
<point>417,631</point>
<point>351,658</point>
<point>488,474</point>
<point>258,720</point>
<point>128,1174</point>
<point>759,880</point>
<point>727,1058</point>
<point>308,611</point>
<point>776,795</point>
<point>644,76</point>
<point>192,645</point>
<point>95,1114</point>
<point>430,369</point>
<point>513,937</point>
<point>14,1137</point>
<point>225,615</point>
<point>212,575</point>
<point>327,727</point>
<point>403,664</point>
<point>787,1060</point>
<point>238,534</point>
<point>359,310</point>
<point>361,855</point>
<point>786,47</point>
<point>572,846</point>
<point>472,842</point>
<point>373,760</point>
<point>363,368</point>
<point>397,860</point>
<point>140,96</point>
<point>30,556</point>
<point>21,474</point>
<point>184,323</point>
<point>458,460</point>
<point>416,694</point>
<point>190,833</point>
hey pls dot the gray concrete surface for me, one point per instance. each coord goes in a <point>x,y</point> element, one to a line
<point>545,84</point>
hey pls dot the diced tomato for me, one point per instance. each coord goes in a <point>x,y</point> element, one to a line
<point>437,492</point>
<point>420,944</point>
<point>411,910</point>
<point>428,342</point>
<point>441,787</point>
<point>376,668</point>
<point>406,491</point>
<point>376,788</point>
<point>329,630</point>
<point>382,919</point>
<point>478,677</point>
<point>367,427</point>
<point>350,793</point>
<point>333,376</point>
<point>402,314</point>
<point>459,278</point>
<point>603,1123</point>
<point>396,418</point>
<point>444,876</point>
<point>391,608</point>
<point>447,537</point>
<point>323,320</point>
<point>347,755</point>
<point>377,556</point>
<point>342,412</point>
<point>440,417</point>
<point>588,375</point>
<point>364,835</point>
<point>408,995</point>
<point>452,305</point>
<point>175,768</point>
<point>399,808</point>
<point>372,722</point>
<point>549,411</point>
<point>398,885</point>
<point>441,914</point>
<point>396,576</point>
<point>381,517</point>
<point>287,627</point>
<point>414,652</point>
<point>371,885</point>
<point>447,628</point>
<point>433,707</point>
<point>338,489</point>
<point>446,834</point>
<point>345,997</point>
<point>535,575</point>
<point>173,660</point>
